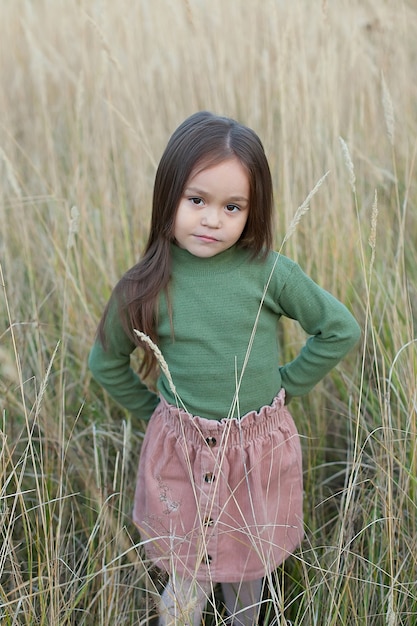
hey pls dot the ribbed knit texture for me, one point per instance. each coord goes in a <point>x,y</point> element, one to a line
<point>215,303</point>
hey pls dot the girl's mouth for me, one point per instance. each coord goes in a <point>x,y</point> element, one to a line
<point>206,238</point>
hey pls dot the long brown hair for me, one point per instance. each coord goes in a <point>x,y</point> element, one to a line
<point>201,141</point>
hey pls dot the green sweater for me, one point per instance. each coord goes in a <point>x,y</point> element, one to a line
<point>215,302</point>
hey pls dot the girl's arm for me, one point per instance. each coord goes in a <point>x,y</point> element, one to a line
<point>332,328</point>
<point>111,367</point>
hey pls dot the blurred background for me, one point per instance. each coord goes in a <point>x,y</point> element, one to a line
<point>90,93</point>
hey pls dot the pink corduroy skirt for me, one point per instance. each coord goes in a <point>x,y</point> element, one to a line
<point>220,500</point>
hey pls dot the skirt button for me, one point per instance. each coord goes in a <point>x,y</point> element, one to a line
<point>207,559</point>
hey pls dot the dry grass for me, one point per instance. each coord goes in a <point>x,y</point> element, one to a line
<point>90,92</point>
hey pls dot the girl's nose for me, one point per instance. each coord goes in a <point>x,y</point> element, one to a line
<point>211,218</point>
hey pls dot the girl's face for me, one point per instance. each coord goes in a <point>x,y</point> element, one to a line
<point>213,209</point>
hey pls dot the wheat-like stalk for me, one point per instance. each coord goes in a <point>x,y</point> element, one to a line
<point>11,176</point>
<point>388,110</point>
<point>303,208</point>
<point>349,164</point>
<point>73,226</point>
<point>372,234</point>
<point>80,97</point>
<point>164,365</point>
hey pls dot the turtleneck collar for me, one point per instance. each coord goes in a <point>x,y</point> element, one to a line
<point>223,262</point>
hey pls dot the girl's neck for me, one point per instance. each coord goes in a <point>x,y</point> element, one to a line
<point>222,262</point>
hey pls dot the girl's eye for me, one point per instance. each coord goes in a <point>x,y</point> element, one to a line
<point>196,201</point>
<point>232,208</point>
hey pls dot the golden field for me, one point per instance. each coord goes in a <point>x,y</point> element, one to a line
<point>90,93</point>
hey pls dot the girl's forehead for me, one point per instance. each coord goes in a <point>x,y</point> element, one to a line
<point>227,179</point>
<point>212,162</point>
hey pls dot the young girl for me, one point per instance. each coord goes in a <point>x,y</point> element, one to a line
<point>219,489</point>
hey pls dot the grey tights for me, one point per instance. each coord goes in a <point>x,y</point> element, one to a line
<point>183,601</point>
<point>242,601</point>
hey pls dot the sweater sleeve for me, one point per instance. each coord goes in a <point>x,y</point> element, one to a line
<point>332,328</point>
<point>111,368</point>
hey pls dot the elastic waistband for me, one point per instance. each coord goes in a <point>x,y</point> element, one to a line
<point>231,431</point>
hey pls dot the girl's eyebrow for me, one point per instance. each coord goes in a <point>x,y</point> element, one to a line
<point>201,192</point>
